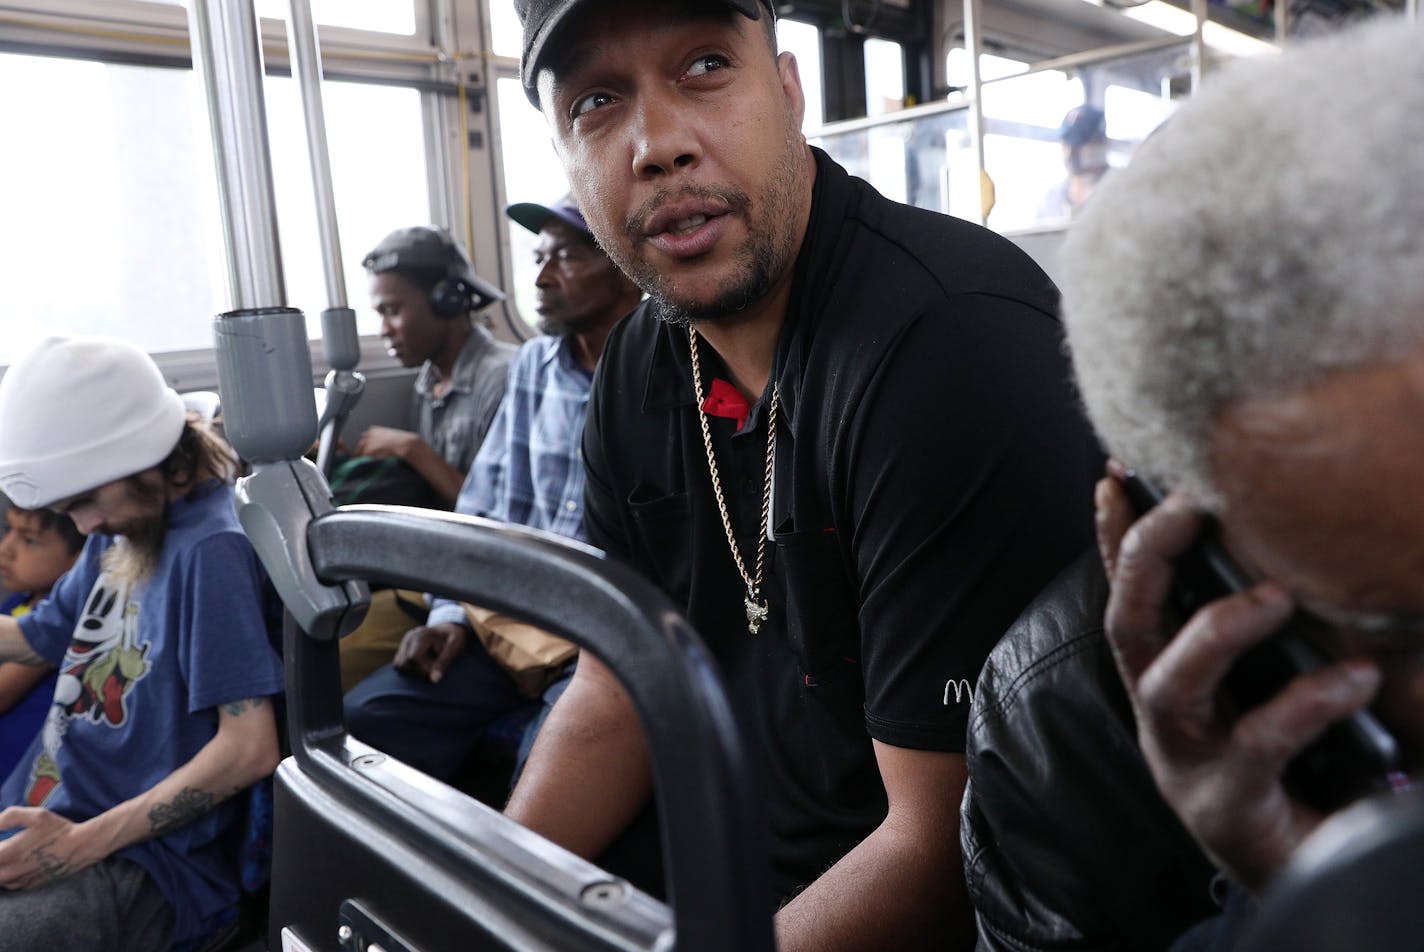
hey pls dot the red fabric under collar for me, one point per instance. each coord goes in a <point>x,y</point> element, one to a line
<point>725,400</point>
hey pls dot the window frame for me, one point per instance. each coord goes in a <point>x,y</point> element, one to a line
<point>144,33</point>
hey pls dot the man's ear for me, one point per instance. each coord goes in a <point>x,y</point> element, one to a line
<point>790,74</point>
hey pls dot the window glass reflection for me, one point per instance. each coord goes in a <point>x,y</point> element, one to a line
<point>113,224</point>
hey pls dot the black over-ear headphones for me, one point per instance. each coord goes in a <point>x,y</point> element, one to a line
<point>427,249</point>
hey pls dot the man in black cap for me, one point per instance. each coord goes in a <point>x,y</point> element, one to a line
<point>581,294</point>
<point>425,289</point>
<point>431,706</point>
<point>1084,138</point>
<point>839,433</point>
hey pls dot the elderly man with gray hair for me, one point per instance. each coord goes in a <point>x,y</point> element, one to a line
<point>1252,335</point>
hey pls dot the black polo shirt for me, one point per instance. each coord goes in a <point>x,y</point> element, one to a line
<point>932,473</point>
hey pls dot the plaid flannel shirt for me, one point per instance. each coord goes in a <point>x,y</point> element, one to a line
<point>529,470</point>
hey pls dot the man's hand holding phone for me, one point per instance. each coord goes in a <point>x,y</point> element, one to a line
<point>1220,770</point>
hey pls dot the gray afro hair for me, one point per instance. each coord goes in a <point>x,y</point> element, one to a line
<point>1270,234</point>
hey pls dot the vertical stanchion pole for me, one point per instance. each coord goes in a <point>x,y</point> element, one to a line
<point>976,109</point>
<point>227,56</point>
<point>263,357</point>
<point>1199,11</point>
<point>340,342</point>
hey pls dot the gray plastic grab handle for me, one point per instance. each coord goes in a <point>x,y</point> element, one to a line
<point>339,340</point>
<point>276,505</point>
<point>265,378</point>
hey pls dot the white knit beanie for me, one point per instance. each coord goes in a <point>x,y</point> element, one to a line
<point>77,413</point>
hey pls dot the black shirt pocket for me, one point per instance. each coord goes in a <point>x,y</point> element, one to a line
<point>822,623</point>
<point>662,522</point>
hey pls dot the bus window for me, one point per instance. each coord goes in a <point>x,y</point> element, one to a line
<point>532,173</point>
<point>116,189</point>
<point>803,40</point>
<point>1133,113</point>
<point>378,170</point>
<point>1021,150</point>
<point>506,37</point>
<point>110,173</point>
<point>956,67</point>
<point>884,76</point>
<point>380,16</point>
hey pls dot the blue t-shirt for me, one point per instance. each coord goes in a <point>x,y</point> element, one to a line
<point>141,674</point>
<point>21,723</point>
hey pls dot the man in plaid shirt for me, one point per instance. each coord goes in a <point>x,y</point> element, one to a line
<point>431,705</point>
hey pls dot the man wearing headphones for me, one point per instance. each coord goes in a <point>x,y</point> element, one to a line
<point>426,290</point>
<point>432,705</point>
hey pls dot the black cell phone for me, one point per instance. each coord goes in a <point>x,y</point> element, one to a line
<point>1353,757</point>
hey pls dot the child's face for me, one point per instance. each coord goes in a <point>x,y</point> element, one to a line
<point>31,558</point>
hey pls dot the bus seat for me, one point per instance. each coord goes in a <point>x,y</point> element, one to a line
<point>370,850</point>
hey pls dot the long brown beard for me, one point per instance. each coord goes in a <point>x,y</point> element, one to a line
<point>134,555</point>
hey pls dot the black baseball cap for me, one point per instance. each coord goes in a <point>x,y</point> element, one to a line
<point>1082,125</point>
<point>543,18</point>
<point>431,249</point>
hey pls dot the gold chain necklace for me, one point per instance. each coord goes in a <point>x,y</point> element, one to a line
<point>757,609</point>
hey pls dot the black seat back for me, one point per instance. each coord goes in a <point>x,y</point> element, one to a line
<point>369,850</point>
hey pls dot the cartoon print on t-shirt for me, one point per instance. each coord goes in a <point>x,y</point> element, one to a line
<point>103,663</point>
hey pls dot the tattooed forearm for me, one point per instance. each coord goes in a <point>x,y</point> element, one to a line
<point>236,708</point>
<point>190,804</point>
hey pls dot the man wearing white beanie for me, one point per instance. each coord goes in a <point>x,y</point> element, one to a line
<point>113,826</point>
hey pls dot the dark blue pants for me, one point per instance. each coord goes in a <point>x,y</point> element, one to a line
<point>433,727</point>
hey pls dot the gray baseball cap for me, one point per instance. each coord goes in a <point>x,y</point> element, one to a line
<point>543,18</point>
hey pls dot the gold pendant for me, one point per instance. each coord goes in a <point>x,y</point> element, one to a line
<point>756,614</point>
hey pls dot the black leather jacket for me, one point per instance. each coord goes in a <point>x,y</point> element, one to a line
<point>1067,843</point>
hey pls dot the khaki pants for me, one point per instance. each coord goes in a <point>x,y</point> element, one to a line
<point>393,612</point>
